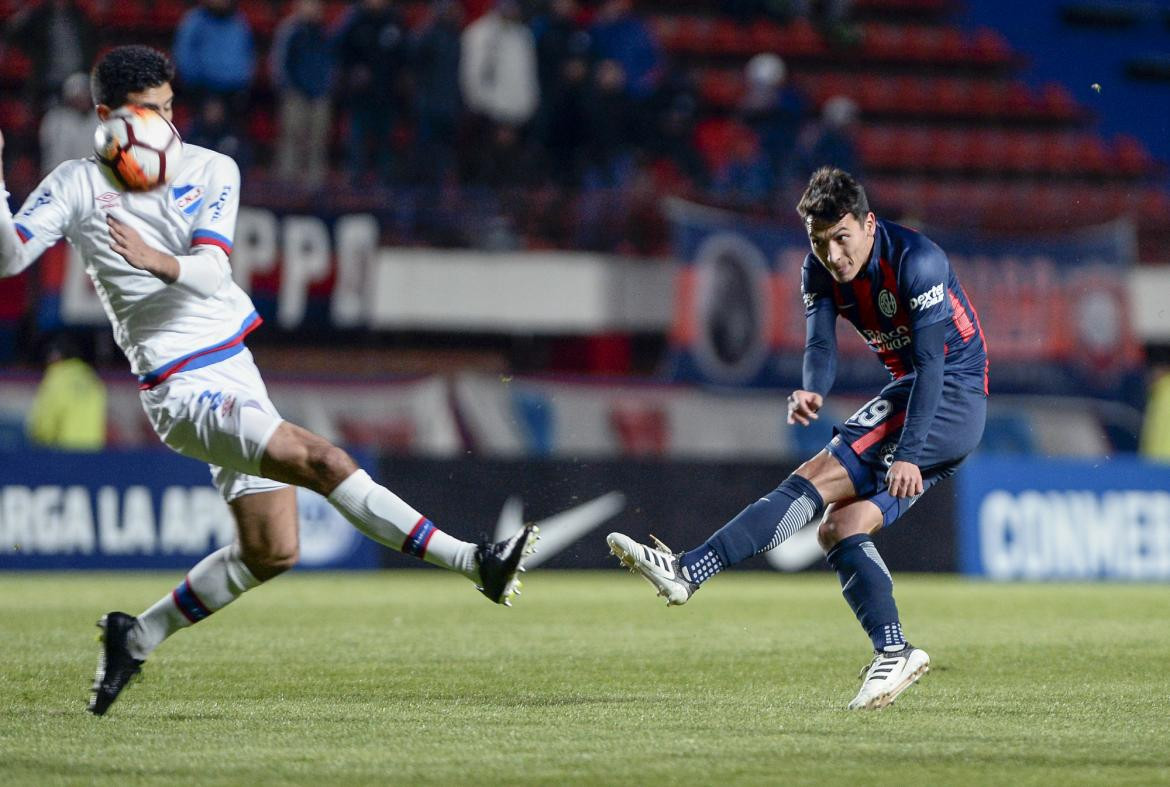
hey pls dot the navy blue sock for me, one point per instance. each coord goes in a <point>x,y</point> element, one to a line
<point>868,587</point>
<point>759,527</point>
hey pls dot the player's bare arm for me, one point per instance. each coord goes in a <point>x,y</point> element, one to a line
<point>125,240</point>
<point>804,406</point>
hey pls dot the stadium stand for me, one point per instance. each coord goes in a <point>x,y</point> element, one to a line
<point>946,122</point>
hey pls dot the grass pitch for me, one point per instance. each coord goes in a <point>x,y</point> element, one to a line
<point>412,677</point>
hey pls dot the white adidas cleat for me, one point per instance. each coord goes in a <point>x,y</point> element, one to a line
<point>657,564</point>
<point>888,675</point>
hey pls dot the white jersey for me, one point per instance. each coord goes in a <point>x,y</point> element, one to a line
<point>162,328</point>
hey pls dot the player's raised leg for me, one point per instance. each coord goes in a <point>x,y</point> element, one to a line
<point>295,455</point>
<point>845,534</point>
<point>761,526</point>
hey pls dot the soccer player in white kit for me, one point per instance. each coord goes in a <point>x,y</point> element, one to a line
<point>159,262</point>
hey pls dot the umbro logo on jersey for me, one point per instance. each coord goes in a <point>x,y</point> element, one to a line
<point>187,198</point>
<point>110,199</point>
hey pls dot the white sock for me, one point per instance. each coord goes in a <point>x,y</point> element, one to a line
<point>386,518</point>
<point>215,581</point>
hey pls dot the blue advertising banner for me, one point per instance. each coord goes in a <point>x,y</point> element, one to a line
<point>1029,519</point>
<point>1055,309</point>
<point>140,510</point>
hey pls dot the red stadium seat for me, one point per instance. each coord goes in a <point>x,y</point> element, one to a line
<point>1057,102</point>
<point>721,87</point>
<point>727,38</point>
<point>15,67</point>
<point>164,15</point>
<point>948,96</point>
<point>17,118</point>
<point>1130,157</point>
<point>261,15</point>
<point>989,47</point>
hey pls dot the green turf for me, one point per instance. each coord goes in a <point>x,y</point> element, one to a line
<point>411,677</point>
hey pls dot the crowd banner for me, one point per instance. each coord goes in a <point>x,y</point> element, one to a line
<point>1055,310</point>
<point>531,416</point>
<point>140,510</point>
<point>1034,519</point>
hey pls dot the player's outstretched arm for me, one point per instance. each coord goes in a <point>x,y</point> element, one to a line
<point>11,259</point>
<point>41,220</point>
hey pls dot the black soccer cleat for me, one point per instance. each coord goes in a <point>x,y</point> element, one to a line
<point>501,563</point>
<point>116,667</point>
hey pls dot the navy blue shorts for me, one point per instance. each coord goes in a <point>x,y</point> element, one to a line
<point>866,441</point>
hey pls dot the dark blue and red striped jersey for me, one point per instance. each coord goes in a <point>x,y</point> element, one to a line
<point>907,285</point>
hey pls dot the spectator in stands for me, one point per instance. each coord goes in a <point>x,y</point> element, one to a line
<point>214,130</point>
<point>565,112</point>
<point>68,412</point>
<point>301,64</point>
<point>609,167</point>
<point>558,34</point>
<point>215,56</point>
<point>58,38</point>
<point>610,163</point>
<point>773,109</point>
<point>67,129</point>
<point>498,76</point>
<point>621,35</point>
<point>438,103</point>
<point>372,51</point>
<point>671,138</point>
<point>745,177</point>
<point>830,142</point>
<point>831,17</point>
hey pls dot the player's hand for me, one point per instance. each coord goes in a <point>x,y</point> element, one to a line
<point>904,479</point>
<point>803,407</point>
<point>125,240</point>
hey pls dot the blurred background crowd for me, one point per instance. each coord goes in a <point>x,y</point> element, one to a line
<point>562,123</point>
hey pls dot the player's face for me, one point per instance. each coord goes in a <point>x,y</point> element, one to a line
<point>842,246</point>
<point>160,98</point>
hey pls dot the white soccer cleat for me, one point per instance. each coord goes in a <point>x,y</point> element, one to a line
<point>657,564</point>
<point>888,675</point>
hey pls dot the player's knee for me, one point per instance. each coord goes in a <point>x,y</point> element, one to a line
<point>827,533</point>
<point>281,560</point>
<point>272,560</point>
<point>321,466</point>
<point>329,464</point>
<point>836,527</point>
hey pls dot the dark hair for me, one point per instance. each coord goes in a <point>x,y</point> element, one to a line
<point>128,69</point>
<point>832,193</point>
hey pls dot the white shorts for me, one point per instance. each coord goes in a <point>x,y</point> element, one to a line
<point>219,414</point>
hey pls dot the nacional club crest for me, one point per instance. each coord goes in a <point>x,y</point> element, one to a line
<point>887,303</point>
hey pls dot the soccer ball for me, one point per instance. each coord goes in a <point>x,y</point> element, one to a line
<point>139,148</point>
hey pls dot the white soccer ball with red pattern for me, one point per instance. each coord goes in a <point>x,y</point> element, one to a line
<point>139,148</point>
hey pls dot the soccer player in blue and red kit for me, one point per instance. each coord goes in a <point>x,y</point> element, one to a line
<point>899,291</point>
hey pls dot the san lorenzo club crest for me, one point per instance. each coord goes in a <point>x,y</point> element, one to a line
<point>887,303</point>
